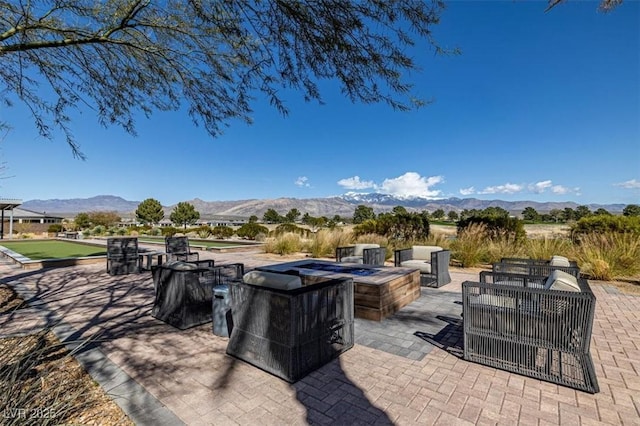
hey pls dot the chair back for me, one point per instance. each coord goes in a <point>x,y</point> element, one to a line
<point>177,245</point>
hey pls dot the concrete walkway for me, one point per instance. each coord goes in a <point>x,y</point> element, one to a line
<point>185,376</point>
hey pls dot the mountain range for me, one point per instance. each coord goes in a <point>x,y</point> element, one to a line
<point>343,205</point>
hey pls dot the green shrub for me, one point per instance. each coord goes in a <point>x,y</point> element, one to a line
<point>496,226</point>
<point>606,223</point>
<point>168,231</point>
<point>55,228</point>
<point>155,232</point>
<point>98,230</point>
<point>121,231</point>
<point>203,231</point>
<point>251,231</point>
<point>222,232</point>
<point>291,228</point>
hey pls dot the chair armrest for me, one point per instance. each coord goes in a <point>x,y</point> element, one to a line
<point>440,267</point>
<point>401,255</point>
<point>374,256</point>
<point>344,252</point>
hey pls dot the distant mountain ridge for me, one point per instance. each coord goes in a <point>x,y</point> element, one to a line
<point>342,205</point>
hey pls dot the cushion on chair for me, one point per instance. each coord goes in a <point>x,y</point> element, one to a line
<point>493,300</point>
<point>272,280</point>
<point>560,280</point>
<point>559,261</point>
<point>424,252</point>
<point>178,265</point>
<point>424,267</point>
<point>359,249</point>
<point>352,259</point>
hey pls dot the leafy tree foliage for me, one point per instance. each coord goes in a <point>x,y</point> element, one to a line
<point>82,221</point>
<point>602,212</point>
<point>253,218</point>
<point>103,218</point>
<point>498,226</point>
<point>399,210</point>
<point>557,215</point>
<point>568,214</point>
<point>184,214</point>
<point>438,214</point>
<point>124,56</point>
<point>453,215</point>
<point>292,215</point>
<point>530,214</point>
<point>150,211</point>
<point>363,213</point>
<point>631,210</point>
<point>272,216</point>
<point>405,226</point>
<point>582,211</point>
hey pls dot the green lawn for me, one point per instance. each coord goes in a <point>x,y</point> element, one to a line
<point>38,250</point>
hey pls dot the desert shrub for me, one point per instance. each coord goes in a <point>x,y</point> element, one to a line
<point>252,230</point>
<point>496,226</point>
<point>369,226</point>
<point>291,228</point>
<point>287,243</point>
<point>610,255</point>
<point>99,230</point>
<point>604,224</point>
<point>507,246</point>
<point>470,247</point>
<point>544,248</point>
<point>154,232</point>
<point>55,227</point>
<point>321,244</point>
<point>121,231</point>
<point>87,233</point>
<point>168,231</point>
<point>222,232</point>
<point>40,377</point>
<point>203,231</point>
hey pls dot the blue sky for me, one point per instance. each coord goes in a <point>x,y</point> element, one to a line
<point>539,106</point>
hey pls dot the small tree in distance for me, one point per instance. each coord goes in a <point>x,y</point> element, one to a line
<point>150,211</point>
<point>184,214</point>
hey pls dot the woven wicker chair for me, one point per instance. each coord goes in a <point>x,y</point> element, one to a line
<point>432,261</point>
<point>368,254</point>
<point>122,256</point>
<point>520,325</point>
<point>289,329</point>
<point>516,265</point>
<point>177,248</point>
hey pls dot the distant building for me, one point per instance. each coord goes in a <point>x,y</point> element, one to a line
<point>23,220</point>
<point>28,216</point>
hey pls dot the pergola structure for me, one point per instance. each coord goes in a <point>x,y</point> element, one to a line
<point>7,204</point>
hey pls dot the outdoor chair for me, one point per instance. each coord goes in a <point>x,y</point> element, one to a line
<point>122,255</point>
<point>177,248</point>
<point>544,267</point>
<point>368,254</point>
<point>184,293</point>
<point>289,329</point>
<point>532,325</point>
<point>432,261</point>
